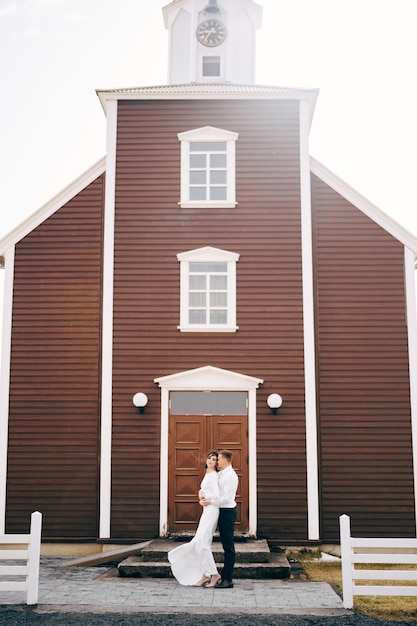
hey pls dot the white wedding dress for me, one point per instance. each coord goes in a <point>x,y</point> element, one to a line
<point>191,561</point>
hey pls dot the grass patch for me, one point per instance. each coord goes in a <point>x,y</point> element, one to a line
<point>384,608</point>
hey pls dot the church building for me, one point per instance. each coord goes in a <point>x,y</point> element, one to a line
<point>208,285</point>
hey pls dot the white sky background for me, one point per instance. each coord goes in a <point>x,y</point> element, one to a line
<point>54,54</point>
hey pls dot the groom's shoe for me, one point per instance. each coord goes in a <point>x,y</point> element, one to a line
<point>224,584</point>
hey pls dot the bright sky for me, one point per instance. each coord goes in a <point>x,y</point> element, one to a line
<point>361,54</point>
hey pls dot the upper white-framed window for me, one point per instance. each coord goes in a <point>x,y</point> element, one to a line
<point>208,167</point>
<point>208,290</point>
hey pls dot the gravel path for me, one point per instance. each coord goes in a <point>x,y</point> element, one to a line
<point>26,617</point>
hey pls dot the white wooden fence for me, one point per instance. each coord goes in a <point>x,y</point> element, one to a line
<point>375,551</point>
<point>29,551</point>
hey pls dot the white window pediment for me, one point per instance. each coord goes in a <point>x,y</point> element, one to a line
<point>208,254</point>
<point>208,167</point>
<point>208,133</point>
<point>208,290</point>
<point>208,378</point>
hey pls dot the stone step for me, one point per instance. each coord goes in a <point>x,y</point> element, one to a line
<point>253,560</point>
<point>255,551</point>
<point>277,568</point>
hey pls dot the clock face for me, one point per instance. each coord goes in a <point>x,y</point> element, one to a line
<point>211,33</point>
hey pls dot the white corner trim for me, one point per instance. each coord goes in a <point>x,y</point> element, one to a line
<point>364,205</point>
<point>163,506</point>
<point>107,329</point>
<point>5,379</point>
<point>309,328</point>
<point>410,286</point>
<point>253,463</point>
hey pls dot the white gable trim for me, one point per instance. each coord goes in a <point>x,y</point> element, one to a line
<point>213,379</point>
<point>361,203</point>
<point>5,378</point>
<point>53,205</point>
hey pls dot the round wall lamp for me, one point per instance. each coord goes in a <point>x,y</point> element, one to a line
<point>274,401</point>
<point>140,400</point>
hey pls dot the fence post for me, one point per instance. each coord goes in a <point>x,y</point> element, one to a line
<point>34,557</point>
<point>346,553</point>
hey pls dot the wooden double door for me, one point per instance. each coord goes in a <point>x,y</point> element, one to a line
<point>190,438</point>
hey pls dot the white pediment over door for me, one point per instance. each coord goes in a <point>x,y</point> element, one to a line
<point>210,378</point>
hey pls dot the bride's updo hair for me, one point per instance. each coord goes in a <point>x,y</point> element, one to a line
<point>211,453</point>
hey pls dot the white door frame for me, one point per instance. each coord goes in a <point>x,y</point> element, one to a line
<point>208,378</point>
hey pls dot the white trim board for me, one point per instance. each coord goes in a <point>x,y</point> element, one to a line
<point>5,379</point>
<point>313,505</point>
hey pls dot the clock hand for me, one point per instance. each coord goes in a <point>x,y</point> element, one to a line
<point>208,33</point>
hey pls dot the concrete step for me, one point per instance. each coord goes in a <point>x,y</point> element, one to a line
<point>255,551</point>
<point>278,568</point>
<point>254,560</point>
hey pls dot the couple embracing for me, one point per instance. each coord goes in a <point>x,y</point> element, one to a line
<point>193,563</point>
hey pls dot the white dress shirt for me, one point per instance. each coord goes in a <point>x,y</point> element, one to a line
<point>228,482</point>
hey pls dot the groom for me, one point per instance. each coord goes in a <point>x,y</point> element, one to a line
<point>228,482</point>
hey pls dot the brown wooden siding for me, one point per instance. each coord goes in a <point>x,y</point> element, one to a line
<point>55,372</point>
<point>150,230</point>
<point>364,401</point>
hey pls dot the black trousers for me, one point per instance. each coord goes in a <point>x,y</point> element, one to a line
<point>227,519</point>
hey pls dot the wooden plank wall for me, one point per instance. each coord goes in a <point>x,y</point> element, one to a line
<point>150,230</point>
<point>364,400</point>
<point>55,372</point>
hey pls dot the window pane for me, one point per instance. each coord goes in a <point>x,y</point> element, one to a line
<point>218,299</point>
<point>218,193</point>
<point>198,161</point>
<point>218,282</point>
<point>208,403</point>
<point>211,66</point>
<point>208,146</point>
<point>218,317</point>
<point>218,161</point>
<point>197,193</point>
<point>208,267</point>
<point>197,282</point>
<point>197,299</point>
<point>198,178</point>
<point>197,317</point>
<point>217,178</point>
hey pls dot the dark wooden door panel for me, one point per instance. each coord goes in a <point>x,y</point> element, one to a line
<point>190,438</point>
<point>187,439</point>
<point>232,433</point>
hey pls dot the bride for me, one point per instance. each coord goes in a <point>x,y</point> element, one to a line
<point>193,563</point>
